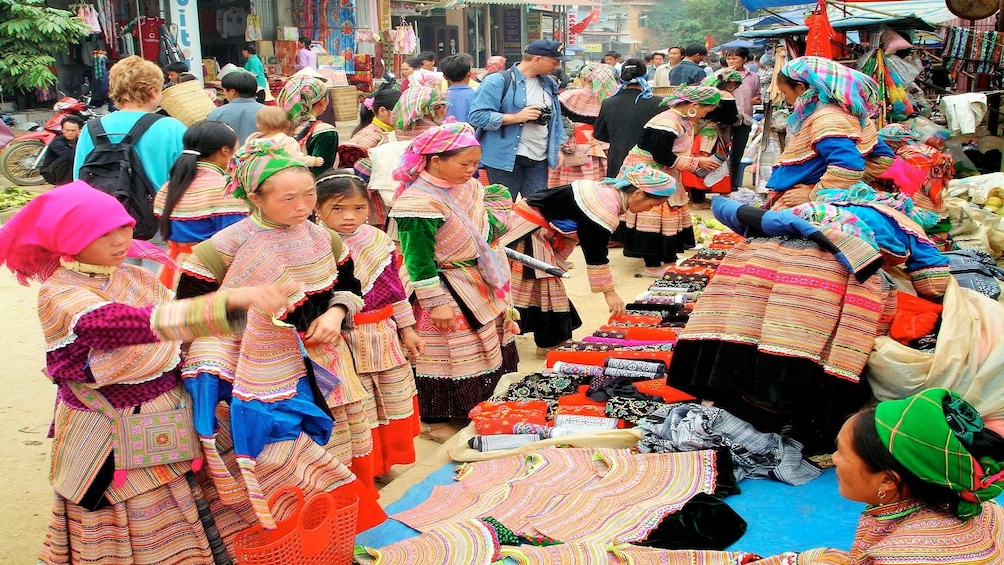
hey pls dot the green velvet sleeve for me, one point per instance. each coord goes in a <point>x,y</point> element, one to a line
<point>323,144</point>
<point>418,245</point>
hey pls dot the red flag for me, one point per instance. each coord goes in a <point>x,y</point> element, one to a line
<point>709,42</point>
<point>581,26</point>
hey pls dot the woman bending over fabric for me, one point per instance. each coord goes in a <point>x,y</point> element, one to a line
<point>194,204</point>
<point>666,142</point>
<point>304,98</point>
<point>384,335</point>
<point>928,470</point>
<point>113,343</point>
<point>549,224</point>
<point>285,377</point>
<point>446,222</point>
<point>832,142</point>
<point>712,138</point>
<point>585,157</point>
<point>623,116</point>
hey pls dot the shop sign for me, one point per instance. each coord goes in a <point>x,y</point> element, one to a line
<point>533,25</point>
<point>512,30</point>
<point>592,47</point>
<point>185,15</point>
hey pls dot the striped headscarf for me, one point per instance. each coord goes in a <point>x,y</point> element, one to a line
<point>646,88</point>
<point>254,163</point>
<point>448,137</point>
<point>299,95</point>
<point>930,434</point>
<point>707,95</point>
<point>722,76</point>
<point>647,179</point>
<point>599,78</point>
<point>415,103</point>
<point>495,63</point>
<point>897,136</point>
<point>830,82</point>
<point>422,77</point>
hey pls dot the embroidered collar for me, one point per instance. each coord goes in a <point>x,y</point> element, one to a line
<point>210,166</point>
<point>379,123</point>
<point>895,510</point>
<point>263,222</point>
<point>88,269</point>
<point>436,180</point>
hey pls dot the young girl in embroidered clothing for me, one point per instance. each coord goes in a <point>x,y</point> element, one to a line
<point>385,324</point>
<point>273,124</point>
<point>286,377</point>
<point>113,345</point>
<point>194,205</point>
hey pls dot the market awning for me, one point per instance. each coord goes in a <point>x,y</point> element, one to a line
<point>847,23</point>
<point>934,11</point>
<point>534,3</point>
<point>905,14</point>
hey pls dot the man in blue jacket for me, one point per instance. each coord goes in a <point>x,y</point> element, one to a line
<point>518,118</point>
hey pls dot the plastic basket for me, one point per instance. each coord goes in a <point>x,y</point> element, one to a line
<point>187,102</point>
<point>346,103</point>
<point>320,530</point>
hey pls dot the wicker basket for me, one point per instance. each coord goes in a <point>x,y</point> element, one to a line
<point>187,102</point>
<point>346,103</point>
<point>664,91</point>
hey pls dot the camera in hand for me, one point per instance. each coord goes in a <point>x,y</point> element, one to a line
<point>545,116</point>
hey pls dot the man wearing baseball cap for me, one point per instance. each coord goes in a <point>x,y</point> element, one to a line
<point>518,118</point>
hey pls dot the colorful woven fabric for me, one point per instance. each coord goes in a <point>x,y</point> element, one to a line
<point>722,76</point>
<point>929,433</point>
<point>470,542</point>
<point>708,95</point>
<point>299,95</point>
<point>599,83</point>
<point>897,136</point>
<point>830,82</point>
<point>415,103</point>
<point>646,179</point>
<point>254,163</point>
<point>204,198</point>
<point>602,79</point>
<point>577,369</point>
<point>61,223</point>
<point>862,193</point>
<point>825,215</point>
<point>433,142</point>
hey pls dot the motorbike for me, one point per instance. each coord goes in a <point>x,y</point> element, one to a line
<point>389,80</point>
<point>21,158</point>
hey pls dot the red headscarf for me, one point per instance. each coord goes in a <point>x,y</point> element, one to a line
<point>62,223</point>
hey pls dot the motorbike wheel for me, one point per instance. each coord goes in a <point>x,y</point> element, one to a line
<point>17,161</point>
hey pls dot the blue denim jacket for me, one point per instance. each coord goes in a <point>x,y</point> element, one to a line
<point>498,151</point>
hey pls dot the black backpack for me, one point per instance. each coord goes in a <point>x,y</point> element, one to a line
<point>115,168</point>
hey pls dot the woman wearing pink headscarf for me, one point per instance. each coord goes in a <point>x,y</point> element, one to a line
<point>494,64</point>
<point>460,279</point>
<point>113,347</point>
<point>585,156</point>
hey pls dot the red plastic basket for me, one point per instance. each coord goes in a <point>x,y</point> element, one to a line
<point>320,530</point>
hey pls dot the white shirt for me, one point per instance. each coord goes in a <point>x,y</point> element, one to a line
<point>533,138</point>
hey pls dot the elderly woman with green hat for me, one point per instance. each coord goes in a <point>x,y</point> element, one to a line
<point>304,98</point>
<point>666,144</point>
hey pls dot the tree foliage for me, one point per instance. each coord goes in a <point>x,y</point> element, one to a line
<point>687,22</point>
<point>30,33</point>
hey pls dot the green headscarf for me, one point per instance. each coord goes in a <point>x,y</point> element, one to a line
<point>708,95</point>
<point>722,76</point>
<point>929,433</point>
<point>254,163</point>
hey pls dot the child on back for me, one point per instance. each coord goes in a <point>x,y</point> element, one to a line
<point>274,124</point>
<point>384,335</point>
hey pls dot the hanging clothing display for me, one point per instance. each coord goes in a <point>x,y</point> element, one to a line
<point>149,38</point>
<point>405,40</point>
<point>972,50</point>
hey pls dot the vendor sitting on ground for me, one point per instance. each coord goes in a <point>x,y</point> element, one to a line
<point>928,469</point>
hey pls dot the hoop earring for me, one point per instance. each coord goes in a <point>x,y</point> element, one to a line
<point>692,113</point>
<point>881,495</point>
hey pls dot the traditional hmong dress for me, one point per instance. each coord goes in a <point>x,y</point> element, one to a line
<point>203,210</point>
<point>830,150</point>
<point>593,208</point>
<point>661,233</point>
<point>712,136</point>
<point>460,368</point>
<point>783,331</point>
<point>319,139</point>
<point>581,106</point>
<point>275,395</point>
<point>381,361</point>
<point>119,332</point>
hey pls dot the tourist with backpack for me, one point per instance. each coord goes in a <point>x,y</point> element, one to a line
<point>518,118</point>
<point>149,143</point>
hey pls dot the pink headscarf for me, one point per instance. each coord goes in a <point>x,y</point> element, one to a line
<point>422,77</point>
<point>447,137</point>
<point>62,223</point>
<point>495,63</point>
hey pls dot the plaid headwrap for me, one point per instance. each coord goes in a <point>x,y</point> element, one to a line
<point>647,179</point>
<point>61,223</point>
<point>722,76</point>
<point>299,95</point>
<point>254,163</point>
<point>697,94</point>
<point>930,434</point>
<point>416,102</point>
<point>602,79</point>
<point>830,82</point>
<point>897,136</point>
<point>432,142</point>
<point>422,77</point>
<point>495,63</point>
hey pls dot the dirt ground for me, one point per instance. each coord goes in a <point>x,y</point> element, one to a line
<point>26,409</point>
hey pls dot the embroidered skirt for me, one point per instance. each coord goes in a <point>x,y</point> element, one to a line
<point>659,234</point>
